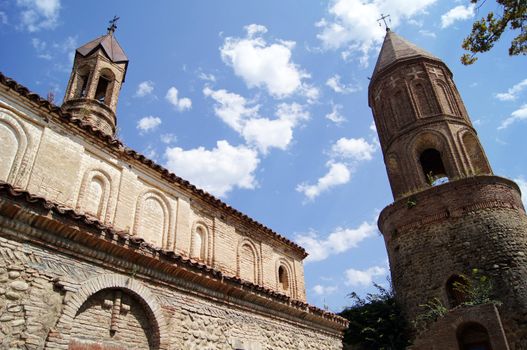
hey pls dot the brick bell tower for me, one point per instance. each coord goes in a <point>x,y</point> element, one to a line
<point>99,70</point>
<point>450,213</point>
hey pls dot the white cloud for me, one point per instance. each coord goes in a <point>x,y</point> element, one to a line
<point>427,33</point>
<point>335,116</point>
<point>232,108</point>
<point>149,123</point>
<point>39,14</point>
<point>263,65</point>
<point>335,84</point>
<point>522,183</point>
<point>181,104</point>
<point>258,131</point>
<point>458,13</point>
<point>513,92</point>
<point>519,114</point>
<point>337,242</point>
<point>144,88</point>
<point>338,174</point>
<point>352,25</point>
<point>319,289</point>
<point>207,77</point>
<point>168,138</point>
<point>353,149</point>
<point>219,170</point>
<point>364,277</point>
<point>253,29</point>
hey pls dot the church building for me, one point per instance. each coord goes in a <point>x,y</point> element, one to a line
<point>455,232</point>
<point>103,249</point>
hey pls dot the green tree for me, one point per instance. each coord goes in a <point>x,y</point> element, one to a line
<point>376,322</point>
<point>486,31</point>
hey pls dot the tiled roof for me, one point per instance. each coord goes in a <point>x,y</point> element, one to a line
<point>110,46</point>
<point>104,232</point>
<point>116,145</point>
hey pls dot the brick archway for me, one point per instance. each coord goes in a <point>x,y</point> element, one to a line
<point>59,337</point>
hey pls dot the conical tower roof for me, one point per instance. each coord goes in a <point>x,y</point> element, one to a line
<point>395,48</point>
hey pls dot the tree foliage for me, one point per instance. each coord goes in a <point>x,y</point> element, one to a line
<point>486,31</point>
<point>376,322</point>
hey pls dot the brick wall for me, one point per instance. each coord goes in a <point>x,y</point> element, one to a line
<point>56,161</point>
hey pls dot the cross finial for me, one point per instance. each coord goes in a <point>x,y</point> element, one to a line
<point>383,18</point>
<point>113,26</point>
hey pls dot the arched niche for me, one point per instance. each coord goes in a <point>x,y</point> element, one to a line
<point>473,336</point>
<point>248,261</point>
<point>95,193</point>
<point>14,144</point>
<point>402,107</point>
<point>474,153</point>
<point>445,98</point>
<point>153,218</point>
<point>422,93</point>
<point>103,289</point>
<point>199,242</point>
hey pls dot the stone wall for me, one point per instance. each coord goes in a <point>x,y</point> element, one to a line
<point>65,164</point>
<point>448,230</point>
<point>52,297</point>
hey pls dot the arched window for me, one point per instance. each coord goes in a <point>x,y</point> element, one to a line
<point>433,167</point>
<point>473,336</point>
<point>455,290</point>
<point>81,89</point>
<point>283,279</point>
<point>103,93</point>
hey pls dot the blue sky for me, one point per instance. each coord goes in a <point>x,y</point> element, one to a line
<point>264,104</point>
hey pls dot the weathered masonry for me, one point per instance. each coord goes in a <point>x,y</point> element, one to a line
<point>100,248</point>
<point>451,214</point>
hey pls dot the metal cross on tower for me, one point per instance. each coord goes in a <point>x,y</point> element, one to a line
<point>113,25</point>
<point>383,18</point>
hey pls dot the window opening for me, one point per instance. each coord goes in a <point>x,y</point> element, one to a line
<point>83,86</point>
<point>474,337</point>
<point>102,88</point>
<point>282,278</point>
<point>433,167</point>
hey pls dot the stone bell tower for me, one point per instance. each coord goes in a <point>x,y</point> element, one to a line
<point>99,69</point>
<point>450,214</point>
